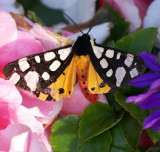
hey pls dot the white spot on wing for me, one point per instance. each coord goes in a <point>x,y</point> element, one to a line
<point>37,58</point>
<point>120,74</point>
<point>110,53</point>
<point>109,73</point>
<point>104,63</point>
<point>128,61</point>
<point>32,79</point>
<point>118,56</point>
<point>45,76</point>
<point>133,73</point>
<point>64,53</point>
<point>15,78</point>
<point>131,55</point>
<point>23,64</point>
<point>98,51</point>
<point>55,65</point>
<point>49,56</point>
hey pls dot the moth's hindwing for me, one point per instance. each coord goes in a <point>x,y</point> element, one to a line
<point>115,67</point>
<point>40,72</point>
<point>82,66</point>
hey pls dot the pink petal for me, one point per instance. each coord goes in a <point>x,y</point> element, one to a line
<point>17,137</point>
<point>1,74</point>
<point>24,116</point>
<point>66,33</point>
<point>102,98</point>
<point>44,111</point>
<point>130,13</point>
<point>8,28</point>
<point>25,45</point>
<point>10,101</point>
<point>77,102</point>
<point>128,10</point>
<point>59,27</point>
<point>152,17</point>
<point>48,40</point>
<point>142,6</point>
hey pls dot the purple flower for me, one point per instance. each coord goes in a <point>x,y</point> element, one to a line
<point>151,98</point>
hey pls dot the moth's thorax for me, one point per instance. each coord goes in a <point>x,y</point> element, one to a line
<point>82,45</point>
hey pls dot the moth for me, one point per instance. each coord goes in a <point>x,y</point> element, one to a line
<point>51,75</point>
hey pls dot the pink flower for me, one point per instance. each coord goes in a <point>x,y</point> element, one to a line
<point>15,45</point>
<point>24,109</point>
<point>18,137</point>
<point>12,112</point>
<point>73,105</point>
<point>132,10</point>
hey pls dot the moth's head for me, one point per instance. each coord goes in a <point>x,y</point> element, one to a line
<point>85,36</point>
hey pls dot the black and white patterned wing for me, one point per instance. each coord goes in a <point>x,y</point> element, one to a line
<point>115,67</point>
<point>36,72</point>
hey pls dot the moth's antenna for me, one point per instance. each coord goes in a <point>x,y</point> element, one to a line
<point>74,23</point>
<point>96,23</point>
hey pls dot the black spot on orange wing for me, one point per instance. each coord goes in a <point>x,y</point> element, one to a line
<point>87,93</point>
<point>83,76</point>
<point>61,91</point>
<point>102,84</point>
<point>85,88</point>
<point>49,98</point>
<point>93,88</point>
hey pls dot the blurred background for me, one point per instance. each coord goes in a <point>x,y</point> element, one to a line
<point>50,11</point>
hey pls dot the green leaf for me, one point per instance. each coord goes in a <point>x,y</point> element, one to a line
<point>154,135</point>
<point>59,32</point>
<point>133,109</point>
<point>100,143</point>
<point>64,134</point>
<point>118,31</point>
<point>129,90</point>
<point>125,135</point>
<point>34,18</point>
<point>110,43</point>
<point>141,40</point>
<point>96,118</point>
<point>113,103</point>
<point>137,113</point>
